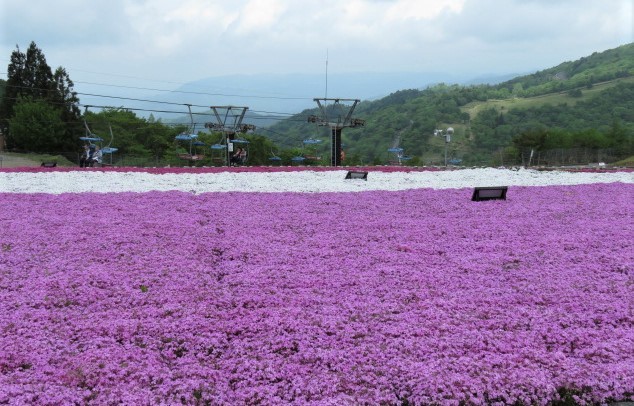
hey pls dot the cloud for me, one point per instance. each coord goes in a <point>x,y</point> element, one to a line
<point>259,15</point>
<point>422,10</point>
<point>492,21</point>
<point>191,39</point>
<point>64,22</point>
<point>534,33</point>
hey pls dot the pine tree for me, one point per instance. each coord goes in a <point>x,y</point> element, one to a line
<point>65,99</point>
<point>30,79</point>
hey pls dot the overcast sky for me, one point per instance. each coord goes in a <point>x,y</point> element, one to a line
<point>163,43</point>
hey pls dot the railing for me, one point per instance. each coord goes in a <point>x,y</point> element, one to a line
<point>568,157</point>
<point>548,158</point>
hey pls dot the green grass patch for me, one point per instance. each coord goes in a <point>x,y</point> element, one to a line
<point>553,99</point>
<point>629,162</point>
<point>39,158</point>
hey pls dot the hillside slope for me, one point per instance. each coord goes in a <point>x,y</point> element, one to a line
<point>594,93</point>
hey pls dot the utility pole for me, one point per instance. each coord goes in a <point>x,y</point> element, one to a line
<point>229,122</point>
<point>336,118</point>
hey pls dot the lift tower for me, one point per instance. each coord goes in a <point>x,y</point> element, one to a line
<point>336,116</point>
<point>229,122</point>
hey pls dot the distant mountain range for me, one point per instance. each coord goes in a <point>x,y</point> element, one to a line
<point>271,96</point>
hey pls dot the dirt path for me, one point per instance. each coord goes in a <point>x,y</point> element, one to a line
<point>7,161</point>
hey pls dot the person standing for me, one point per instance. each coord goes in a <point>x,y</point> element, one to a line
<point>85,156</point>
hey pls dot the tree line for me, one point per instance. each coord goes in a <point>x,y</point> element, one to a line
<point>40,112</point>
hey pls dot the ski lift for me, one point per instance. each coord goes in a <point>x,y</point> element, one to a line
<point>303,156</point>
<point>274,158</point>
<point>399,158</point>
<point>91,140</point>
<point>197,144</point>
<point>298,160</point>
<point>310,148</point>
<point>108,150</point>
<point>218,153</point>
<point>90,137</point>
<point>189,137</point>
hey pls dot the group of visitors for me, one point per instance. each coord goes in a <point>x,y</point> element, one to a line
<point>92,154</point>
<point>239,156</point>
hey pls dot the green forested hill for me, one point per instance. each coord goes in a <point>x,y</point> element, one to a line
<point>588,104</point>
<point>596,68</point>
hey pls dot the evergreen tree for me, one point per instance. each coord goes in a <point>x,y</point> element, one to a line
<point>15,72</point>
<point>30,79</point>
<point>65,99</point>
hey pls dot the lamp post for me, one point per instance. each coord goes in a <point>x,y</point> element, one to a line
<point>448,133</point>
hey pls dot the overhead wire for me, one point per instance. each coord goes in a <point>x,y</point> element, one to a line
<point>103,107</point>
<point>200,93</point>
<point>250,96</point>
<point>276,115</point>
<point>261,114</point>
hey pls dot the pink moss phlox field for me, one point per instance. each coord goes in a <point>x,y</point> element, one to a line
<point>418,296</point>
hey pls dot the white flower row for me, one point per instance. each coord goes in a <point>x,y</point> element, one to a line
<point>297,181</point>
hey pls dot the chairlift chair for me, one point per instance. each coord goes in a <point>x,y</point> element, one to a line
<point>91,139</point>
<point>275,159</point>
<point>218,153</point>
<point>311,150</point>
<point>108,150</point>
<point>399,155</point>
<point>298,160</point>
<point>197,156</point>
<point>244,146</point>
<point>189,136</point>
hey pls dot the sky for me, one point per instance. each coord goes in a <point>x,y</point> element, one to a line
<point>162,44</point>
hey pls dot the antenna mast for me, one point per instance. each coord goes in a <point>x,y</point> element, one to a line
<point>326,95</point>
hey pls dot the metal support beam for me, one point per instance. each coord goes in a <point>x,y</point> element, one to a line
<point>230,124</point>
<point>342,120</point>
<point>335,153</point>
